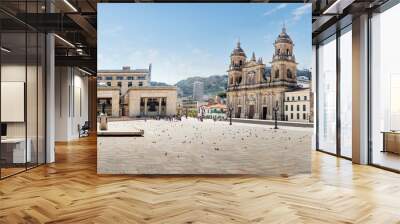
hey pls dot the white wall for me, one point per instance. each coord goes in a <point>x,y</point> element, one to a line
<point>80,105</point>
<point>61,103</point>
<point>10,73</point>
<point>71,102</point>
<point>33,125</point>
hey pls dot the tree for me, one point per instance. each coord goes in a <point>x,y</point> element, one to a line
<point>222,94</point>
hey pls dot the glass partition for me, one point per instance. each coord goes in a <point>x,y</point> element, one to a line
<point>385,89</point>
<point>327,95</point>
<point>346,93</point>
<point>22,88</point>
<point>13,92</point>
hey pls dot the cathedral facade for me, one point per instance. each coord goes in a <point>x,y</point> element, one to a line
<point>256,92</point>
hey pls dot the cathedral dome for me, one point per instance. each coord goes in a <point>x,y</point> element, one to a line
<point>238,51</point>
<point>284,37</point>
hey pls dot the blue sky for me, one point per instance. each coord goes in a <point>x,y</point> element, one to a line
<point>185,40</point>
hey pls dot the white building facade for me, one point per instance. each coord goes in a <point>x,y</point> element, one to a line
<point>297,105</point>
<point>128,92</point>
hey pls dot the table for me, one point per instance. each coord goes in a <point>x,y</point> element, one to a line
<point>15,148</point>
<point>391,141</point>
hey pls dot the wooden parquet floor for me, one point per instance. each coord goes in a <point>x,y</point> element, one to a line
<point>70,191</point>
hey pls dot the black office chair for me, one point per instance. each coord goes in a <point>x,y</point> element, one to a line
<point>84,130</point>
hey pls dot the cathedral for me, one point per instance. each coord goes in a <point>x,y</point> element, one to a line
<point>255,91</point>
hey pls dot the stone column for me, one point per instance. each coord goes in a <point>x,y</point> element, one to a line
<point>145,106</point>
<point>257,107</point>
<point>243,112</point>
<point>270,111</point>
<point>115,104</point>
<point>159,106</point>
<point>281,106</point>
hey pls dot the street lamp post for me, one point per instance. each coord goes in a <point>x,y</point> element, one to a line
<point>230,108</point>
<point>276,109</point>
<point>103,108</point>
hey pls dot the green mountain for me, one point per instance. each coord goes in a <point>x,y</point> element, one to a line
<point>212,85</point>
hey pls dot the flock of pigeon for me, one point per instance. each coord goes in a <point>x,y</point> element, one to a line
<point>215,134</point>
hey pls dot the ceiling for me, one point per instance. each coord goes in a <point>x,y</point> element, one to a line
<point>75,21</point>
<point>332,15</point>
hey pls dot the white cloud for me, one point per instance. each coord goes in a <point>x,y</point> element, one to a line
<point>196,51</point>
<point>300,11</point>
<point>277,8</point>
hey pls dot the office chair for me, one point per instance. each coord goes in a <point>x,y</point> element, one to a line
<point>84,130</point>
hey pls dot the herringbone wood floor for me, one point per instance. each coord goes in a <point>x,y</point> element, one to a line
<point>70,191</point>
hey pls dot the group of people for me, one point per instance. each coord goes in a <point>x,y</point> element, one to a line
<point>167,118</point>
<point>179,118</point>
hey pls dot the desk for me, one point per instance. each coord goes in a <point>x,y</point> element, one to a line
<point>391,141</point>
<point>15,148</point>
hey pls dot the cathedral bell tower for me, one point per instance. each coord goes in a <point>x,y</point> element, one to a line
<point>238,57</point>
<point>238,60</point>
<point>283,65</point>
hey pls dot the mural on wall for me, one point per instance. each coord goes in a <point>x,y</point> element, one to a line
<point>194,94</point>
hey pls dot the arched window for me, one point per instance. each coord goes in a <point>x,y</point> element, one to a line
<point>279,51</point>
<point>239,80</point>
<point>231,81</point>
<point>289,74</point>
<point>287,51</point>
<point>277,74</point>
<point>240,63</point>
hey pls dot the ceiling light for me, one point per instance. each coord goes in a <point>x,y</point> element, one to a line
<point>337,7</point>
<point>79,51</point>
<point>5,50</point>
<point>70,5</point>
<point>64,40</point>
<point>86,72</point>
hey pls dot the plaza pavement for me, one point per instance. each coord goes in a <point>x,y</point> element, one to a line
<point>194,147</point>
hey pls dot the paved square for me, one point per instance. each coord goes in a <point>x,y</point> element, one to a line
<point>194,147</point>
